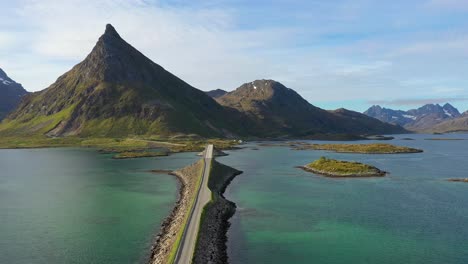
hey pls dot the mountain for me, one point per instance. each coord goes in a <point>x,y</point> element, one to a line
<point>275,110</point>
<point>420,119</point>
<point>389,115</point>
<point>117,91</point>
<point>459,124</point>
<point>216,93</point>
<point>11,94</point>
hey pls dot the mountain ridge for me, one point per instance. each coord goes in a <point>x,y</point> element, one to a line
<point>420,119</point>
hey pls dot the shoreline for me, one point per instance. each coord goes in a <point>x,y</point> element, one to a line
<point>212,238</point>
<point>164,229</point>
<point>380,173</point>
<point>211,246</point>
<point>166,239</point>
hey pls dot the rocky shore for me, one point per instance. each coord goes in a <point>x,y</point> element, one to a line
<point>211,245</point>
<point>173,224</point>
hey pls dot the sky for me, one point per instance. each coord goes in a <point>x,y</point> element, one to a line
<point>336,53</point>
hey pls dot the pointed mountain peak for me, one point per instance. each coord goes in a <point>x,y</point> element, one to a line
<point>448,106</point>
<point>115,60</point>
<point>110,31</point>
<point>110,37</point>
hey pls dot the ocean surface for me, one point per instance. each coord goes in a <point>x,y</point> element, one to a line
<point>413,215</point>
<point>78,206</point>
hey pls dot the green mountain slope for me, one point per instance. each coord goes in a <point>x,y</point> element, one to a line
<point>117,91</point>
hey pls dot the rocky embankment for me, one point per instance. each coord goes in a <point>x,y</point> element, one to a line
<point>166,239</point>
<point>211,245</point>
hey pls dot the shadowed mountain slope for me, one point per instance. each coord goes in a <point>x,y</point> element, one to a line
<point>11,94</point>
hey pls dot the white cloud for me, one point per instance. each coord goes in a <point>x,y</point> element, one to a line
<point>337,52</point>
<point>198,45</point>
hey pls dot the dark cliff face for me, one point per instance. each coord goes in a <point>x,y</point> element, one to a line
<point>11,94</point>
<point>420,119</point>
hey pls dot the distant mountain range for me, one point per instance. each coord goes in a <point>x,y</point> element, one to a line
<point>428,118</point>
<point>117,91</point>
<point>11,93</point>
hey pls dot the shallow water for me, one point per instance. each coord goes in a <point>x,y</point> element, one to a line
<point>413,215</point>
<point>78,206</point>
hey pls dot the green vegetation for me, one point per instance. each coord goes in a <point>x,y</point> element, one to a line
<point>358,148</point>
<point>117,145</point>
<point>338,168</point>
<point>136,154</point>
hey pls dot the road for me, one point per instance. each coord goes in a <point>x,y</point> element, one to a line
<point>186,248</point>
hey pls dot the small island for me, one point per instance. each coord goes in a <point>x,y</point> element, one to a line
<point>459,180</point>
<point>359,148</point>
<point>342,169</point>
<point>139,154</point>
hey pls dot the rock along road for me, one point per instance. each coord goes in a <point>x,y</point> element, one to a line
<point>186,248</point>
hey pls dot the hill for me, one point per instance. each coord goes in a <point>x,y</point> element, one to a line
<point>11,94</point>
<point>276,110</point>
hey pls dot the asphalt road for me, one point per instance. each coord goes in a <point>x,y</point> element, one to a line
<point>186,248</point>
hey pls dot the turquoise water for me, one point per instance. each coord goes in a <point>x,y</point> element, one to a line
<point>77,206</point>
<point>286,215</point>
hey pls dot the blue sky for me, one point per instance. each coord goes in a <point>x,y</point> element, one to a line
<point>344,53</point>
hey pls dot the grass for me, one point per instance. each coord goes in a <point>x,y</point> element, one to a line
<point>116,145</point>
<point>32,124</point>
<point>339,168</point>
<point>138,154</point>
<point>359,148</point>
